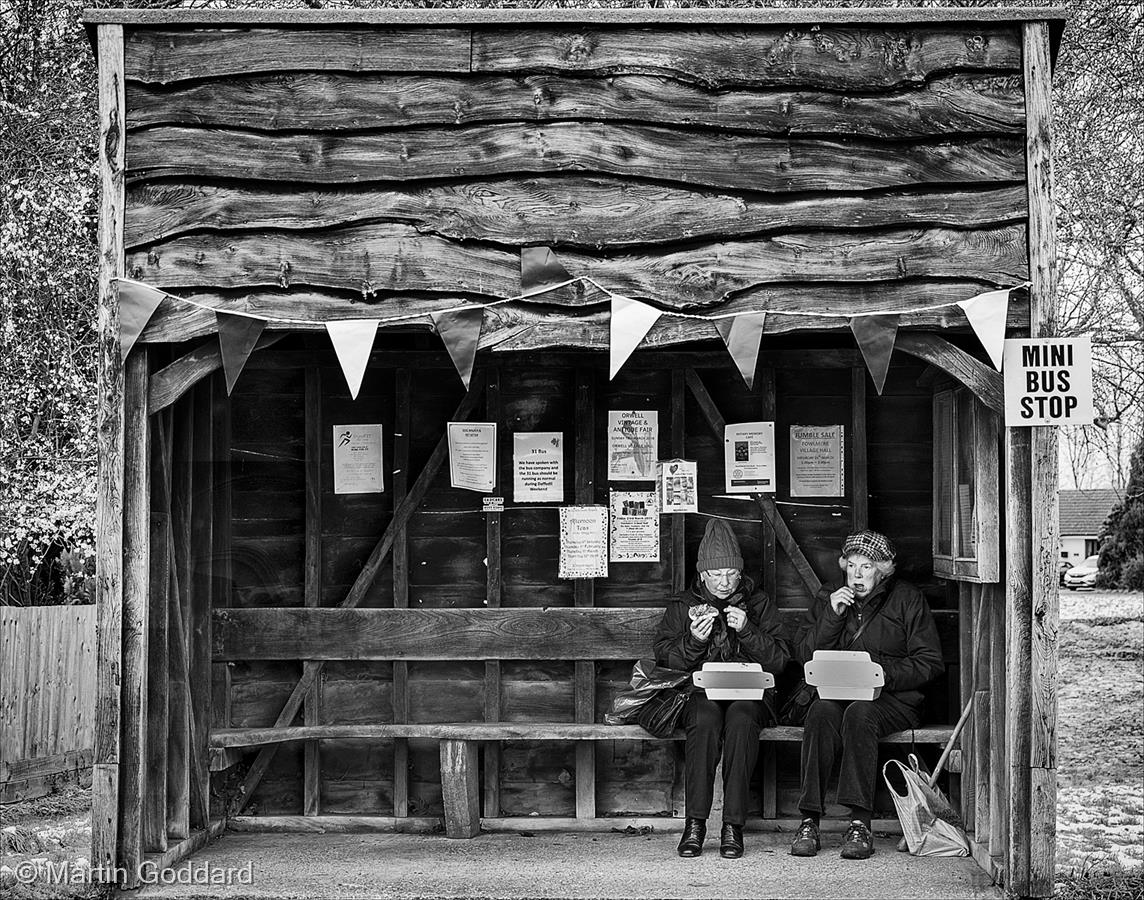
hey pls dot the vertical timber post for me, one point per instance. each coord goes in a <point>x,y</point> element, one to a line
<point>312,577</point>
<point>1045,541</point>
<point>493,596</point>
<point>584,591</point>
<point>109,502</point>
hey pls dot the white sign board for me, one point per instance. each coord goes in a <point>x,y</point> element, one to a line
<point>633,441</point>
<point>1048,381</point>
<point>583,542</point>
<point>634,529</point>
<point>473,455</point>
<point>749,457</point>
<point>538,467</point>
<point>816,463</point>
<point>357,459</point>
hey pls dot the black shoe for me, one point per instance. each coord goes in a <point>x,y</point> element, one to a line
<point>694,831</point>
<point>806,840</point>
<point>859,843</point>
<point>731,841</point>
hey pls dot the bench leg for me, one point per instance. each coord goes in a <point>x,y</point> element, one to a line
<point>459,788</point>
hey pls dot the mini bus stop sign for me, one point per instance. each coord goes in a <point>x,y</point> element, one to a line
<point>1048,381</point>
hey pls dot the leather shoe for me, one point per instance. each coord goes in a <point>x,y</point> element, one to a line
<point>731,841</point>
<point>694,831</point>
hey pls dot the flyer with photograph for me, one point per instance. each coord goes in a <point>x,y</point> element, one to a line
<point>634,529</point>
<point>357,460</point>
<point>538,467</point>
<point>749,457</point>
<point>678,486</point>
<point>633,442</point>
<point>583,542</point>
<point>817,466</point>
<point>473,455</point>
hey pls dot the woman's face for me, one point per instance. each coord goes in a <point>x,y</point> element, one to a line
<point>722,583</point>
<point>862,576</point>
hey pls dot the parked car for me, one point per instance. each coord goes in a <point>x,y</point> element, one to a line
<point>1083,575</point>
<point>1064,567</point>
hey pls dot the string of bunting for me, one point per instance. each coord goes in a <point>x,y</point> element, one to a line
<point>541,272</point>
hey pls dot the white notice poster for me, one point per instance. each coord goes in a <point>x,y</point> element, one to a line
<point>678,486</point>
<point>633,442</point>
<point>583,542</point>
<point>749,457</point>
<point>816,463</point>
<point>473,455</point>
<point>538,467</point>
<point>634,529</point>
<point>357,459</point>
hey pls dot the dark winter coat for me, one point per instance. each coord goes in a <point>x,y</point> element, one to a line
<point>762,639</point>
<point>902,637</point>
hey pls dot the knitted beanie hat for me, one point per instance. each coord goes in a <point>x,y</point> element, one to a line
<point>870,544</point>
<point>719,548</point>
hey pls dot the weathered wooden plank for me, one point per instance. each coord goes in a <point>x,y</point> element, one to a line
<point>515,326</point>
<point>978,377</point>
<point>703,275</point>
<point>341,101</point>
<point>221,594</point>
<point>860,484</point>
<point>133,777</point>
<point>584,588</point>
<point>165,55</point>
<point>515,731</point>
<point>460,789</point>
<point>179,742</point>
<point>1018,630</point>
<point>1043,521</point>
<point>312,579</point>
<point>109,424</point>
<point>174,380</point>
<point>999,775</point>
<point>199,611</point>
<point>678,451</point>
<point>703,158</point>
<point>454,634</point>
<point>765,382</point>
<point>831,56</point>
<point>403,402</point>
<point>155,799</point>
<point>494,587</point>
<point>575,210</point>
<point>968,606</point>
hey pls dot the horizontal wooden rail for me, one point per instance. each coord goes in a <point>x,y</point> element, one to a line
<point>565,633</point>
<point>226,738</point>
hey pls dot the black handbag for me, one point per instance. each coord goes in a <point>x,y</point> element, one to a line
<point>662,712</point>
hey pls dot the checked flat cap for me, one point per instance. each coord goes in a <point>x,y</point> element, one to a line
<point>870,544</point>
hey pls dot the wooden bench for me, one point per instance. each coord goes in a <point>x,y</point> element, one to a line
<point>594,634</point>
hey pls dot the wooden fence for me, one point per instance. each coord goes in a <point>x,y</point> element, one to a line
<point>47,682</point>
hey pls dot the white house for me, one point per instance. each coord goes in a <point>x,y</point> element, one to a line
<point>1082,515</point>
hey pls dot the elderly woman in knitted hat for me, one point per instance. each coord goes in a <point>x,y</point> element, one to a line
<point>722,618</point>
<point>875,611</point>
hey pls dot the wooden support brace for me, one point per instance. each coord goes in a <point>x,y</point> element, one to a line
<point>174,380</point>
<point>362,584</point>
<point>460,792</point>
<point>975,375</point>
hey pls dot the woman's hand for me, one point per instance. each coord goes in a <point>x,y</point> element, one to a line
<point>841,600</point>
<point>701,628</point>
<point>736,618</point>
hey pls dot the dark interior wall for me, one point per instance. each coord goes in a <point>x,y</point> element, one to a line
<point>447,552</point>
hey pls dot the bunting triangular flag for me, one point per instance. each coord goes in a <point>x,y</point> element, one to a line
<point>630,321</point>
<point>743,334</point>
<point>353,341</point>
<point>461,332</point>
<point>237,336</point>
<point>137,303</point>
<point>875,336</point>
<point>539,268</point>
<point>988,313</point>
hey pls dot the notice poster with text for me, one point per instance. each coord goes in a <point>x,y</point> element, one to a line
<point>1048,381</point>
<point>583,542</point>
<point>749,457</point>
<point>634,530</point>
<point>357,460</point>
<point>633,442</point>
<point>538,467</point>
<point>816,462</point>
<point>473,455</point>
<point>678,486</point>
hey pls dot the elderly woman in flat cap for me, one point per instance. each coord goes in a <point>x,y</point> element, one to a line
<point>875,611</point>
<point>723,618</point>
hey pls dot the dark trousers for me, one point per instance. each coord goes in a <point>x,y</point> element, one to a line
<point>726,727</point>
<point>852,728</point>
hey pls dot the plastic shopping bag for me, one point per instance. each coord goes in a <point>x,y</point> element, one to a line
<point>931,826</point>
<point>648,679</point>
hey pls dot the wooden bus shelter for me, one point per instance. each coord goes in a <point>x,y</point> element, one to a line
<point>277,654</point>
